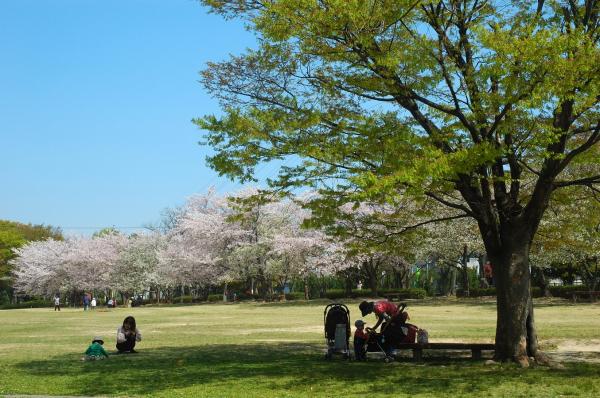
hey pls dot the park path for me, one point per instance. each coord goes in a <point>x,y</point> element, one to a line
<point>576,351</point>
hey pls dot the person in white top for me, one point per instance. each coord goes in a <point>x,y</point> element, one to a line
<point>93,303</point>
<point>127,336</point>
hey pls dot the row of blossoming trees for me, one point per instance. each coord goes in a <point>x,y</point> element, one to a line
<point>263,244</point>
<point>213,240</point>
<point>209,241</point>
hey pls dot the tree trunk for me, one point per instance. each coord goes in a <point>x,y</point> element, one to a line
<point>348,284</point>
<point>539,279</point>
<point>306,289</point>
<point>516,337</point>
<point>465,272</point>
<point>452,288</point>
<point>370,270</point>
<point>465,280</point>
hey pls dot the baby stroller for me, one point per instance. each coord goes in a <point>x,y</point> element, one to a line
<point>336,319</point>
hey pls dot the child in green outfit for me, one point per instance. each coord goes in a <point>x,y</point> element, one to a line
<point>95,351</point>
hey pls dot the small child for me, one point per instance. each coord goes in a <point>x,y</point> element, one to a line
<point>95,351</point>
<point>360,340</point>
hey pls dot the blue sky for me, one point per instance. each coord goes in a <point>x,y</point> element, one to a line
<point>96,102</point>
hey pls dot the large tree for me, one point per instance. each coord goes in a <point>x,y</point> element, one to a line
<point>458,101</point>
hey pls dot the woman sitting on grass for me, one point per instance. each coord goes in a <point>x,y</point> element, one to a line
<point>127,336</point>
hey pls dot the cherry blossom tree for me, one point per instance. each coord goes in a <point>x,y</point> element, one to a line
<point>39,267</point>
<point>90,262</point>
<point>136,268</point>
<point>567,238</point>
<point>451,244</point>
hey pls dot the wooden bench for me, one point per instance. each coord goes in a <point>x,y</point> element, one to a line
<point>475,348</point>
<point>593,295</point>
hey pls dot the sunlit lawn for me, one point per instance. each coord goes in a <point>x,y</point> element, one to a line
<point>276,350</point>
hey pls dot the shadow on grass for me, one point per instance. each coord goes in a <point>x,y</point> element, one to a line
<point>251,369</point>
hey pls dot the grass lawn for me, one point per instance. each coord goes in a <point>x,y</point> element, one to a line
<point>276,350</point>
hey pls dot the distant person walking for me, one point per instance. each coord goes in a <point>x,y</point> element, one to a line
<point>109,303</point>
<point>127,335</point>
<point>86,302</point>
<point>57,303</point>
<point>94,303</point>
<point>488,273</point>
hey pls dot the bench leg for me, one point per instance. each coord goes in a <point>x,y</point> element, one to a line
<point>476,353</point>
<point>417,354</point>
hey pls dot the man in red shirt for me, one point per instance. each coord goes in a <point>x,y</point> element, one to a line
<point>384,310</point>
<point>488,273</point>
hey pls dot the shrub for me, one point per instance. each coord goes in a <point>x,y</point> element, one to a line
<point>183,299</point>
<point>402,294</point>
<point>491,291</point>
<point>295,296</point>
<point>4,299</point>
<point>213,298</point>
<point>245,296</point>
<point>567,291</point>
<point>37,303</point>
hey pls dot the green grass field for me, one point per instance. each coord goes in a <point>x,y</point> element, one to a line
<point>276,350</point>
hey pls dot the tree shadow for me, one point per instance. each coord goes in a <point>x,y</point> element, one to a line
<point>277,368</point>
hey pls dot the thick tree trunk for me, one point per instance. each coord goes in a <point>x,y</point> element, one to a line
<point>516,337</point>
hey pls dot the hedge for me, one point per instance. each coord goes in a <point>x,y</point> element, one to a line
<point>401,294</point>
<point>213,298</point>
<point>185,299</point>
<point>294,296</point>
<point>556,291</point>
<point>245,296</point>
<point>567,291</point>
<point>28,304</point>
